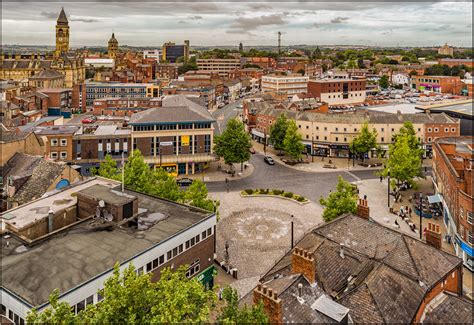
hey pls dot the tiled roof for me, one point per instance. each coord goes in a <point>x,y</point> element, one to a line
<point>450,309</point>
<point>62,17</point>
<point>383,274</point>
<point>47,74</point>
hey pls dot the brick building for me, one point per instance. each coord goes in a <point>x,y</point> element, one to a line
<point>123,106</point>
<point>454,62</point>
<point>452,176</point>
<point>57,141</point>
<point>339,273</point>
<point>437,84</point>
<point>178,136</point>
<point>338,91</point>
<point>86,249</point>
<point>166,71</point>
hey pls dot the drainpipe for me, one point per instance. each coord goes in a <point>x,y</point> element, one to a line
<point>50,220</point>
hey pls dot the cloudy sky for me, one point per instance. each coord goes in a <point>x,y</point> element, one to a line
<point>253,23</point>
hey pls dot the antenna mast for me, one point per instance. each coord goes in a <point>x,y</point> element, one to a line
<point>279,43</point>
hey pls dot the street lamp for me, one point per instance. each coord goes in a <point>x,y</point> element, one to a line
<point>292,232</point>
<point>388,188</point>
<point>421,214</point>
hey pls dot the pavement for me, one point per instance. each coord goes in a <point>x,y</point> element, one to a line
<point>218,171</point>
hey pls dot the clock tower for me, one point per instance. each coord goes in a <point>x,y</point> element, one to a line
<point>62,34</point>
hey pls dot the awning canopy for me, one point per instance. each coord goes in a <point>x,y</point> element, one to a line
<point>434,199</point>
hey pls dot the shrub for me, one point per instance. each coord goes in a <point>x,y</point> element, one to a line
<point>261,191</point>
<point>248,191</point>
<point>288,194</point>
<point>277,192</point>
<point>300,199</point>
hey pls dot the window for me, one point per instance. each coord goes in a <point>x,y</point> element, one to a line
<point>149,267</point>
<point>155,263</point>
<point>337,129</point>
<point>470,217</point>
<point>470,237</point>
<point>382,139</point>
<point>429,139</point>
<point>382,129</point>
<point>192,241</point>
<point>325,138</point>
<point>180,249</point>
<point>436,130</point>
<point>453,130</point>
<point>337,139</point>
<point>209,232</point>
<point>54,155</point>
<point>430,130</point>
<point>89,300</point>
<point>63,154</point>
<point>162,259</point>
<point>203,235</point>
<point>187,244</point>
<point>80,306</point>
<point>393,130</point>
<point>169,255</point>
<point>54,142</point>
<point>461,212</point>
<point>197,239</point>
<point>175,251</point>
<point>193,269</point>
<point>3,310</point>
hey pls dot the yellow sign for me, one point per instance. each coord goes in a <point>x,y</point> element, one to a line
<point>185,140</point>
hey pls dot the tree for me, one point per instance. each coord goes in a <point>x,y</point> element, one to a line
<point>164,185</point>
<point>233,144</point>
<point>196,195</point>
<point>342,200</point>
<point>404,161</point>
<point>131,298</point>
<point>292,141</point>
<point>384,82</point>
<point>108,169</point>
<point>232,314</point>
<point>278,132</point>
<point>408,130</point>
<point>138,174</point>
<point>364,141</point>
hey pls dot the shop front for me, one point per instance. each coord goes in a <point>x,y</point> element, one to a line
<point>464,251</point>
<point>340,150</point>
<point>258,136</point>
<point>321,150</point>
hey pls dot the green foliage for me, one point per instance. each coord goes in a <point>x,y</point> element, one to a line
<point>108,169</point>
<point>232,314</point>
<point>138,174</point>
<point>196,195</point>
<point>278,192</point>
<point>404,162</point>
<point>131,298</point>
<point>292,141</point>
<point>364,141</point>
<point>444,70</point>
<point>217,54</point>
<point>278,132</point>
<point>233,144</point>
<point>58,313</point>
<point>342,200</point>
<point>384,82</point>
<point>248,191</point>
<point>257,53</point>
<point>300,199</point>
<point>288,194</point>
<point>301,71</point>
<point>251,65</point>
<point>164,185</point>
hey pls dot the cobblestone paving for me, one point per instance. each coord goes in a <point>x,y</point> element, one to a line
<point>258,230</point>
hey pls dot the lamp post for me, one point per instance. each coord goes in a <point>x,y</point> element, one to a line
<point>292,232</point>
<point>312,145</point>
<point>421,215</point>
<point>388,188</point>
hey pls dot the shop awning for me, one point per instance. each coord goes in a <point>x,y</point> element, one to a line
<point>434,199</point>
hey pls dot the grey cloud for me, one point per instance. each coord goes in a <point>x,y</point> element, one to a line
<point>339,20</point>
<point>84,20</point>
<point>258,6</point>
<point>195,17</point>
<point>243,24</point>
<point>49,15</point>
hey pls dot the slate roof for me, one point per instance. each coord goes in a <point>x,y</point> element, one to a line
<point>448,309</point>
<point>47,74</point>
<point>62,17</point>
<point>176,108</point>
<point>390,271</point>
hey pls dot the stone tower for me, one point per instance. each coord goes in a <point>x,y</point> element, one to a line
<point>112,48</point>
<point>62,34</point>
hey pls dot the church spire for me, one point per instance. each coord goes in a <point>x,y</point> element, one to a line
<point>62,19</point>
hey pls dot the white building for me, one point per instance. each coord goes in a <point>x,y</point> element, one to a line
<point>219,66</point>
<point>152,54</point>
<point>99,62</point>
<point>400,79</point>
<point>289,84</point>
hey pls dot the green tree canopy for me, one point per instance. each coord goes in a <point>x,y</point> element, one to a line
<point>364,141</point>
<point>108,169</point>
<point>292,141</point>
<point>131,298</point>
<point>278,132</point>
<point>342,200</point>
<point>404,162</point>
<point>384,82</point>
<point>230,313</point>
<point>196,195</point>
<point>164,185</point>
<point>234,143</point>
<point>138,174</point>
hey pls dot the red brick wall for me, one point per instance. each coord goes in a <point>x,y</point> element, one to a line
<point>438,130</point>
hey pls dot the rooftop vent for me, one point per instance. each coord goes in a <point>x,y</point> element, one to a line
<point>331,309</point>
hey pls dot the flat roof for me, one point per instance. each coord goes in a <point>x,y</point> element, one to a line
<point>462,108</point>
<point>78,254</point>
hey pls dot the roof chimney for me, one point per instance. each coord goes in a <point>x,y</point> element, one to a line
<point>50,221</point>
<point>300,290</point>
<point>341,250</point>
<point>363,210</point>
<point>303,262</point>
<point>271,303</point>
<point>433,236</point>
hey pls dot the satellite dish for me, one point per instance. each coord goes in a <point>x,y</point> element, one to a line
<point>101,203</point>
<point>108,216</point>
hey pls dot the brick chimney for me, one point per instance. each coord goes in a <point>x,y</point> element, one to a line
<point>303,262</point>
<point>271,303</point>
<point>433,235</point>
<point>363,210</point>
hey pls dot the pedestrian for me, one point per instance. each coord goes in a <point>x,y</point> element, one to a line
<point>365,197</point>
<point>409,212</point>
<point>381,178</point>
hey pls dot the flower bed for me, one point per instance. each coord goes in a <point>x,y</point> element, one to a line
<point>274,192</point>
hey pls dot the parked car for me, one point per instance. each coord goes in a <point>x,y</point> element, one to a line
<point>252,150</point>
<point>269,160</point>
<point>184,181</point>
<point>89,120</point>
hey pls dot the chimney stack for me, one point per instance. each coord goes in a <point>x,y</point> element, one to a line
<point>433,236</point>
<point>300,290</point>
<point>271,303</point>
<point>303,262</point>
<point>50,221</point>
<point>363,210</point>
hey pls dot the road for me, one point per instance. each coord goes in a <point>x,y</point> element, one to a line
<point>224,114</point>
<point>310,185</point>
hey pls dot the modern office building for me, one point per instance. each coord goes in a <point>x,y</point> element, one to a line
<point>222,67</point>
<point>99,90</point>
<point>71,240</point>
<point>171,52</point>
<point>286,84</point>
<point>338,91</point>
